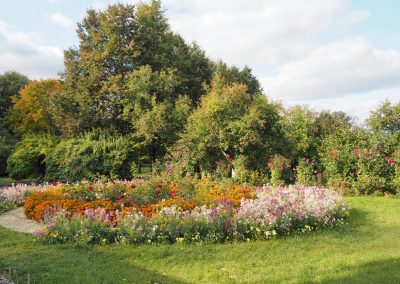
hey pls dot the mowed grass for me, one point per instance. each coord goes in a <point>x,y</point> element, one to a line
<point>367,250</point>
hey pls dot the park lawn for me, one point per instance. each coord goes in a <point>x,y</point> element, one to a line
<point>367,250</point>
<point>6,181</point>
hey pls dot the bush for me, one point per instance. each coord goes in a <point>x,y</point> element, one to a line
<point>374,172</point>
<point>89,156</point>
<point>305,172</point>
<point>29,155</point>
<point>280,170</point>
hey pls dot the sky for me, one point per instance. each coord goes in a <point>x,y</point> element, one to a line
<point>338,55</point>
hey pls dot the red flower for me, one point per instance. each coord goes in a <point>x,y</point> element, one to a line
<point>159,185</point>
<point>54,183</point>
<point>172,193</point>
<point>331,154</point>
<point>335,158</point>
<point>119,197</point>
<point>90,188</point>
<point>158,191</point>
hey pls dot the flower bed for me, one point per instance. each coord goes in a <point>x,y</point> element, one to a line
<point>13,196</point>
<point>186,211</point>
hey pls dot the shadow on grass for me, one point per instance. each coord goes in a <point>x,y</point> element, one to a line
<point>358,218</point>
<point>68,264</point>
<point>386,271</point>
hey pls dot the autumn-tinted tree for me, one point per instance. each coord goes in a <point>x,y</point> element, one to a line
<point>33,107</point>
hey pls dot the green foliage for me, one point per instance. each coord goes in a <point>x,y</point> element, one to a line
<point>28,157</point>
<point>280,170</point>
<point>386,119</point>
<point>233,74</point>
<point>374,172</point>
<point>305,172</point>
<point>338,158</point>
<point>300,131</point>
<point>232,124</point>
<point>7,205</point>
<point>89,156</point>
<point>153,109</point>
<point>10,84</point>
<point>117,48</point>
<point>7,144</point>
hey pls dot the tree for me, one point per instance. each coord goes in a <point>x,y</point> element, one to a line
<point>300,131</point>
<point>234,127</point>
<point>386,119</point>
<point>113,44</point>
<point>7,143</point>
<point>10,84</point>
<point>32,109</point>
<point>155,112</point>
<point>233,74</point>
<point>329,122</point>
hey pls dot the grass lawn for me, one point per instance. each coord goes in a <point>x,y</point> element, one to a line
<point>5,181</point>
<point>365,251</point>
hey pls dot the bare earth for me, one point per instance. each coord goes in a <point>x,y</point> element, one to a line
<point>16,220</point>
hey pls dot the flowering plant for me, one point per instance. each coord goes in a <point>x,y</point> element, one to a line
<point>279,167</point>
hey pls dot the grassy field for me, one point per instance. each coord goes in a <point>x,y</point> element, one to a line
<point>365,251</point>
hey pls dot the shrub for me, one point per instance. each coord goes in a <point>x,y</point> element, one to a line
<point>279,167</point>
<point>28,158</point>
<point>305,172</point>
<point>374,172</point>
<point>88,156</point>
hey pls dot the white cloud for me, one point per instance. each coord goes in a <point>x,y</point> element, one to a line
<point>24,53</point>
<point>256,32</point>
<point>54,1</point>
<point>356,105</point>
<point>61,20</point>
<point>341,68</point>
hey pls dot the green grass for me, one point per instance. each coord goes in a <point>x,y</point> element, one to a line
<point>365,251</point>
<point>7,181</point>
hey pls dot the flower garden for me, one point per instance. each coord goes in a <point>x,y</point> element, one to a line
<point>185,210</point>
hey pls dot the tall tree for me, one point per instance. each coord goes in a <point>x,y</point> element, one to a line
<point>116,42</point>
<point>154,111</point>
<point>232,74</point>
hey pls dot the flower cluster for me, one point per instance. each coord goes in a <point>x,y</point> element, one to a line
<point>270,212</point>
<point>14,196</point>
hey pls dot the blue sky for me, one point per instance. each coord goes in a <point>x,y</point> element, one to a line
<point>330,54</point>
